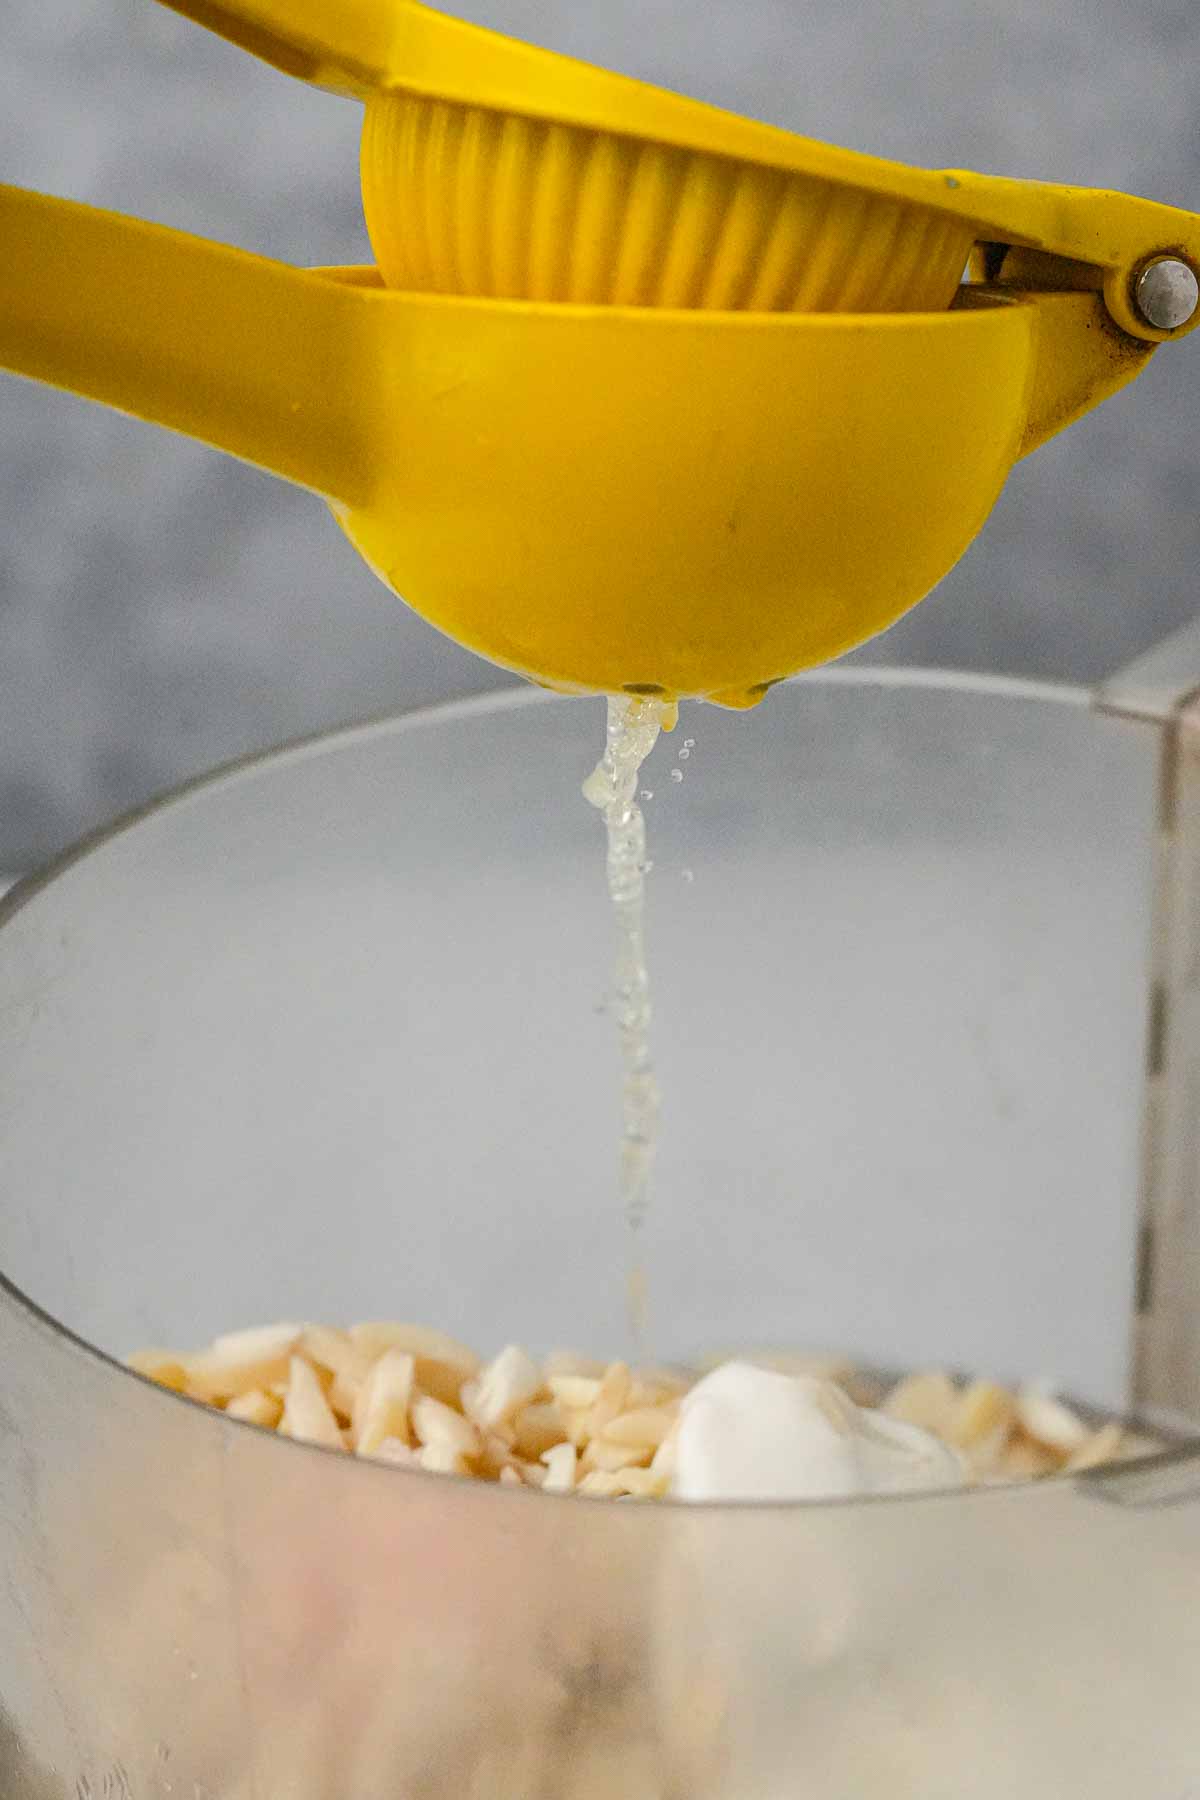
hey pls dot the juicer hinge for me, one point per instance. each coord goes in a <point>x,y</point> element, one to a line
<point>1167,293</point>
<point>1156,295</point>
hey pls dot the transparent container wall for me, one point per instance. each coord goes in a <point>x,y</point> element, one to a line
<point>326,1039</point>
<point>323,1038</point>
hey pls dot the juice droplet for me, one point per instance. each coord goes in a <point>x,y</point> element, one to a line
<point>676,774</point>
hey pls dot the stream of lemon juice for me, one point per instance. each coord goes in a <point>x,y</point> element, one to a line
<point>633,727</point>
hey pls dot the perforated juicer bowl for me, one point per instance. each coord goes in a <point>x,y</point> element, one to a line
<point>321,1038</point>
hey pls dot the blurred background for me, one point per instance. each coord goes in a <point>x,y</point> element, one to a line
<point>162,609</point>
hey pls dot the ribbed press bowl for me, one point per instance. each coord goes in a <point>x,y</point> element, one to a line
<point>466,200</point>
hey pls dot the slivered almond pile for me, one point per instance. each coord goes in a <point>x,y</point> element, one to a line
<point>416,1398</point>
<point>1006,1436</point>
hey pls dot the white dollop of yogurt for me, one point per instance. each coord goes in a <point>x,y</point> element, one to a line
<point>747,1433</point>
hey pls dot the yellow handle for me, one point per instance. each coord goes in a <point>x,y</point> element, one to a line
<point>364,47</point>
<point>245,354</point>
<point>340,44</point>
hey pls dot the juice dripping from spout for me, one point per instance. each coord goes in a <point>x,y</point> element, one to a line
<point>633,727</point>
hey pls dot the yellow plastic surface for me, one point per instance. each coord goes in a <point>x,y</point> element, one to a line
<point>598,497</point>
<point>674,194</point>
<point>655,397</point>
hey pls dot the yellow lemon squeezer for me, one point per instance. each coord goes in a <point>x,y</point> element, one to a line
<point>642,396</point>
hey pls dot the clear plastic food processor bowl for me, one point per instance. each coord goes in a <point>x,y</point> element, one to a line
<point>322,1037</point>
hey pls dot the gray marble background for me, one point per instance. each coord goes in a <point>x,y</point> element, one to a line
<point>162,608</point>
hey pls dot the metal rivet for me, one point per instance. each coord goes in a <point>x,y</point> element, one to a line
<point>1168,294</point>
